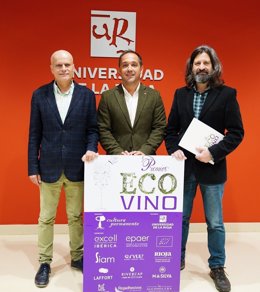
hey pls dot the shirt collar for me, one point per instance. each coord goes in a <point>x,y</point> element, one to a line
<point>127,93</point>
<point>57,90</point>
<point>201,93</point>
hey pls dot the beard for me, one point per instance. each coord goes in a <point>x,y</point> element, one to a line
<point>202,77</point>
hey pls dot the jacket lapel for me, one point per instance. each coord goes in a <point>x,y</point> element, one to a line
<point>189,102</point>
<point>119,93</point>
<point>212,95</point>
<point>74,100</point>
<point>52,102</point>
<point>142,97</point>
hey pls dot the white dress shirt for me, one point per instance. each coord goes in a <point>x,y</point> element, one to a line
<point>131,103</point>
<point>63,100</point>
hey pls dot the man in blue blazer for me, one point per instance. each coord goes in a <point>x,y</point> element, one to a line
<point>206,98</point>
<point>63,132</point>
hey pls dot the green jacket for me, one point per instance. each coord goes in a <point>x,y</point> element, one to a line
<point>115,129</point>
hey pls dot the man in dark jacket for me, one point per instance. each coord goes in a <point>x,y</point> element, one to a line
<point>207,99</point>
<point>63,132</point>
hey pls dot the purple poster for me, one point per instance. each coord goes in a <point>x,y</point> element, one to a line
<point>132,224</point>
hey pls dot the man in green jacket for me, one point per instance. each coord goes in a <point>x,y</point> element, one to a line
<point>131,116</point>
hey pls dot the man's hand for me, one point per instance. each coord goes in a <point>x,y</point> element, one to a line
<point>125,153</point>
<point>179,155</point>
<point>36,179</point>
<point>89,156</point>
<point>137,153</point>
<point>204,154</point>
<point>132,153</point>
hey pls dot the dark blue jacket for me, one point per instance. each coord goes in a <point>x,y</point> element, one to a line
<point>55,147</point>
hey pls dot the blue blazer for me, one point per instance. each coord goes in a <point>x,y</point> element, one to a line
<point>55,147</point>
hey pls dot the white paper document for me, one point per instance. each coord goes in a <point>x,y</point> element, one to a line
<point>199,134</point>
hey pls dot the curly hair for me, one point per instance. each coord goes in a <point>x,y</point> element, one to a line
<point>215,79</point>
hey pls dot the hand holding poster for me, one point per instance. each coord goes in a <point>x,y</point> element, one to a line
<point>132,224</point>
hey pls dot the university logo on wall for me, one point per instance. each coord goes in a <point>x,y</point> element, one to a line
<point>112,32</point>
